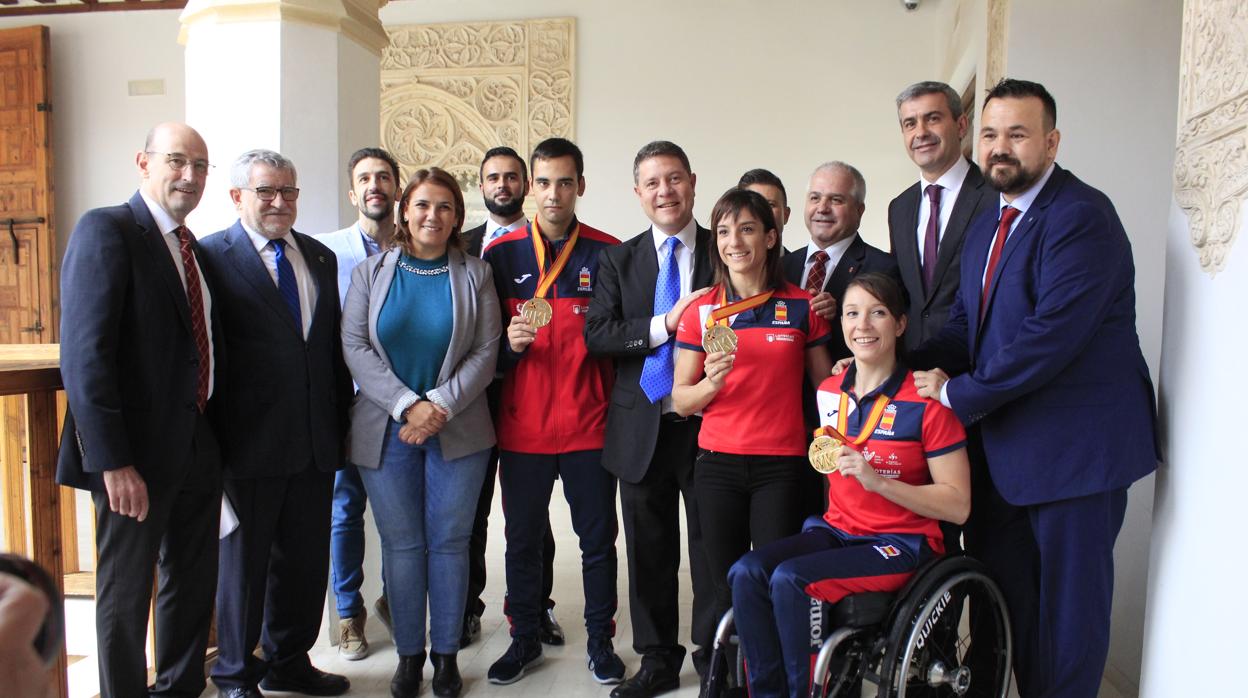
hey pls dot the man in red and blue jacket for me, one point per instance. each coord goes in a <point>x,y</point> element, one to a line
<point>553,411</point>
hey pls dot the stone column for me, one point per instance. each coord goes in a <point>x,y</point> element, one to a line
<point>301,77</point>
<point>1196,602</point>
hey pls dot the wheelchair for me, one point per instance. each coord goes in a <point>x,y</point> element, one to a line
<point>916,642</point>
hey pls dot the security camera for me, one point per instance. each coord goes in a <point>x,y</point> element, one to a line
<point>911,4</point>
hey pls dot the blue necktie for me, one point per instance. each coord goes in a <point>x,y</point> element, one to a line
<point>656,373</point>
<point>286,284</point>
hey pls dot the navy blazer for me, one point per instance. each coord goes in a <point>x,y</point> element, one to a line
<point>285,399</point>
<point>929,308</point>
<point>617,325</point>
<point>1057,381</point>
<point>128,358</point>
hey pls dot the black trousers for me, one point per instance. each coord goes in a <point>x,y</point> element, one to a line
<point>178,540</point>
<point>651,514</point>
<point>744,500</point>
<point>273,575</point>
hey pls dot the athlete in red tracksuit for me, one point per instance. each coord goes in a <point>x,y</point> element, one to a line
<point>553,412</point>
<point>905,468</point>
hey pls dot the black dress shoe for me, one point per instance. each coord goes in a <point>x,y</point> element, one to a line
<point>647,682</point>
<point>471,631</point>
<point>551,632</point>
<point>239,693</point>
<point>407,676</point>
<point>447,682</point>
<point>307,680</point>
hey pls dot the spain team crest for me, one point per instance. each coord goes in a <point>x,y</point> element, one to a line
<point>887,551</point>
<point>583,280</point>
<point>890,414</point>
<point>782,312</point>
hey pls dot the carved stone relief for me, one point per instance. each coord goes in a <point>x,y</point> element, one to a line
<point>450,92</point>
<point>1211,158</point>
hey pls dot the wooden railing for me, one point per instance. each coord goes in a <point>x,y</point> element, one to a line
<point>30,377</point>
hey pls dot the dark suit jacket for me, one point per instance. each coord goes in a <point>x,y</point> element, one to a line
<point>128,359</point>
<point>859,258</point>
<point>285,399</point>
<point>472,240</point>
<point>1058,383</point>
<point>618,325</point>
<point>929,309</point>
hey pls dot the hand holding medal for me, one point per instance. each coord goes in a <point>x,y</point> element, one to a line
<point>830,443</point>
<point>718,335</point>
<point>537,311</point>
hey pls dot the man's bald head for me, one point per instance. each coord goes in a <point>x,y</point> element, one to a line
<point>174,166</point>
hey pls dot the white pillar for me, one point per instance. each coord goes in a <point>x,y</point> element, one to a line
<point>1196,601</point>
<point>301,77</point>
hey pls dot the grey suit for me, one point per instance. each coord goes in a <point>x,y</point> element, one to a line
<point>348,247</point>
<point>466,371</point>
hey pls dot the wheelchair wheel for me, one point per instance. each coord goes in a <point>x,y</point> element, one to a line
<point>950,637</point>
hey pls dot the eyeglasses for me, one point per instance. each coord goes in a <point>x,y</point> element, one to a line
<point>270,193</point>
<point>178,162</point>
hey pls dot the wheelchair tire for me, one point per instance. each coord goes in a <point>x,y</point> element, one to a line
<point>929,644</point>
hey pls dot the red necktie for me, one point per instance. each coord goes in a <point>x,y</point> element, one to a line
<point>195,299</point>
<point>931,240</point>
<point>1008,214</point>
<point>818,272</point>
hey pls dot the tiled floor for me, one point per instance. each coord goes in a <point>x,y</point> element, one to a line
<point>563,674</point>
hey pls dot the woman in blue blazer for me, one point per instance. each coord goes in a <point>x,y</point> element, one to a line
<point>420,332</point>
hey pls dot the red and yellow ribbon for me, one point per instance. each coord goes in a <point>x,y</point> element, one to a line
<point>546,277</point>
<point>842,422</point>
<point>720,315</point>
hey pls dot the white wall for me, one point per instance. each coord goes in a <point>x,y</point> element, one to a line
<point>96,126</point>
<point>1117,96</point>
<point>738,84</point>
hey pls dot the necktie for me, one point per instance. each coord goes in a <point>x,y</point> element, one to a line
<point>286,284</point>
<point>199,328</point>
<point>931,239</point>
<point>818,273</point>
<point>656,372</point>
<point>1008,214</point>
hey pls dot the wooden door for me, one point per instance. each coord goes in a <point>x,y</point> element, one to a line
<point>28,279</point>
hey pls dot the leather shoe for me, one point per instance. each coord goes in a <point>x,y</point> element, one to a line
<point>648,681</point>
<point>407,676</point>
<point>239,693</point>
<point>447,683</point>
<point>471,631</point>
<point>551,632</point>
<point>307,680</point>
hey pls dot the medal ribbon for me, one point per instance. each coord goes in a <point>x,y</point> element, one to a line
<point>720,315</point>
<point>868,428</point>
<point>546,277</point>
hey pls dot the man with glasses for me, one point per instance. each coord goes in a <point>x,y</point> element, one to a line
<point>286,391</point>
<point>139,350</point>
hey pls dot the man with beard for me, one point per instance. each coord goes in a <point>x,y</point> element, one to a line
<point>927,222</point>
<point>374,182</point>
<point>1045,319</point>
<point>140,349</point>
<point>504,184</point>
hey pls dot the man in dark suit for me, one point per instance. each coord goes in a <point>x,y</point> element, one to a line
<point>643,287</point>
<point>139,350</point>
<point>504,184</point>
<point>837,253</point>
<point>927,222</point>
<point>1045,317</point>
<point>286,393</point>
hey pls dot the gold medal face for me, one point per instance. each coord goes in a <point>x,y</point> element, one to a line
<point>536,312</point>
<point>719,338</point>
<point>824,451</point>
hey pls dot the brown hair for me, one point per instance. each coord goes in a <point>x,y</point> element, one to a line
<point>438,177</point>
<point>730,205</point>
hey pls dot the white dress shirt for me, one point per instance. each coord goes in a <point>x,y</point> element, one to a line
<point>303,277</point>
<point>684,252</point>
<point>493,230</point>
<point>167,226</point>
<point>835,251</point>
<point>950,184</point>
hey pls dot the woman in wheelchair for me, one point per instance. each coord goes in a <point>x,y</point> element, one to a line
<point>903,469</point>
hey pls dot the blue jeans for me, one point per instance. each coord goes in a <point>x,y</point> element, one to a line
<point>346,542</point>
<point>424,507</point>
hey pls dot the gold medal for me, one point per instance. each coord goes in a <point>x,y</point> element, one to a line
<point>536,312</point>
<point>823,452</point>
<point>719,338</point>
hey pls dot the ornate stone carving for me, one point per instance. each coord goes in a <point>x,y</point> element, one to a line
<point>449,92</point>
<point>1211,158</point>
